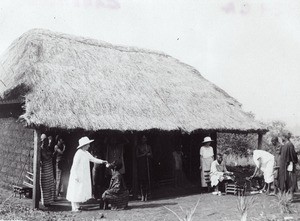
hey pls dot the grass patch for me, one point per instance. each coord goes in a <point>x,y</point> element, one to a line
<point>188,214</point>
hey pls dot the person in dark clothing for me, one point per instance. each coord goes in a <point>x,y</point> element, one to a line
<point>277,148</point>
<point>144,156</point>
<point>59,154</point>
<point>51,146</point>
<point>47,179</point>
<point>287,165</point>
<point>117,188</point>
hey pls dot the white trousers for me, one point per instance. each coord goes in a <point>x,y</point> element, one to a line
<point>75,206</point>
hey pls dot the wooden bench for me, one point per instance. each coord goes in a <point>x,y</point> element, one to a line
<point>25,188</point>
<point>22,190</point>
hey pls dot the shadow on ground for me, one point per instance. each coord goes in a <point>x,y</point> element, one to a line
<point>149,205</point>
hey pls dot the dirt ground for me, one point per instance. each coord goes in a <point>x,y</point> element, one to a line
<point>210,207</point>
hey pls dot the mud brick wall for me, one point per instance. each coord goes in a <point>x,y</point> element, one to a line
<point>16,152</point>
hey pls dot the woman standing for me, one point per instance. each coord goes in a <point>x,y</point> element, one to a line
<point>143,154</point>
<point>206,158</point>
<point>79,189</point>
<point>47,178</point>
<point>59,151</point>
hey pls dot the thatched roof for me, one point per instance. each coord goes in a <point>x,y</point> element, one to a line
<point>71,82</point>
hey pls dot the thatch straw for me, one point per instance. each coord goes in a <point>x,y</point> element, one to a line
<point>71,82</point>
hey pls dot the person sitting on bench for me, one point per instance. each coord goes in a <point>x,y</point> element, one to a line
<point>219,173</point>
<point>117,193</point>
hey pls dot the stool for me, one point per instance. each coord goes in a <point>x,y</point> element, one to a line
<point>235,189</point>
<point>22,190</point>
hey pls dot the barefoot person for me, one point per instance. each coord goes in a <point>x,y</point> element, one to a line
<point>264,161</point>
<point>144,156</point>
<point>287,166</point>
<point>277,150</point>
<point>117,190</point>
<point>47,179</point>
<point>59,150</point>
<point>80,187</point>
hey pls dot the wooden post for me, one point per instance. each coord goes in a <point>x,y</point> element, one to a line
<point>214,144</point>
<point>134,166</point>
<point>36,170</point>
<point>260,138</point>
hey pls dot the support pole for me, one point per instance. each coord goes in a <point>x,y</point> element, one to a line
<point>134,166</point>
<point>36,170</point>
<point>260,138</point>
<point>214,144</point>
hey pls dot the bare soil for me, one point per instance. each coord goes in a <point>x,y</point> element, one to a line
<point>210,207</point>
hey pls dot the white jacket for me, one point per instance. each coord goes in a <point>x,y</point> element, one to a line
<point>81,190</point>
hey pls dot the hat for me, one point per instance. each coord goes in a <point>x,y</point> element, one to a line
<point>84,141</point>
<point>207,139</point>
<point>43,136</point>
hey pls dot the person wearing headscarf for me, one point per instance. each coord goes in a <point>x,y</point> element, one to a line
<point>287,165</point>
<point>80,186</point>
<point>47,178</point>
<point>206,158</point>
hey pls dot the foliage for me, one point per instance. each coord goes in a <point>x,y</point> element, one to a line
<point>276,128</point>
<point>284,201</point>
<point>244,204</point>
<point>188,213</point>
<point>234,160</point>
<point>237,145</point>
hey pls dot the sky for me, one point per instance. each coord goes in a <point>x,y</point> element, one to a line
<point>249,48</point>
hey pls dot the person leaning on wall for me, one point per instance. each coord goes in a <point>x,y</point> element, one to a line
<point>47,178</point>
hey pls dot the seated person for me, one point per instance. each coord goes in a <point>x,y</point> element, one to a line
<point>219,173</point>
<point>117,191</point>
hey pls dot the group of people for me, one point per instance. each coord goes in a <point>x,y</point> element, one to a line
<point>80,183</point>
<point>213,172</point>
<point>279,170</point>
<point>79,188</point>
<point>52,165</point>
